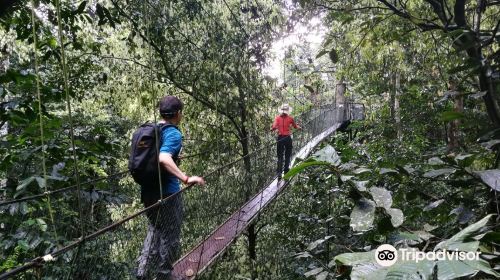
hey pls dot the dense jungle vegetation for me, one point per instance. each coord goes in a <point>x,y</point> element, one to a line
<point>420,170</point>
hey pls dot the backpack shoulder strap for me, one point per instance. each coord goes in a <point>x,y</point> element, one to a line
<point>163,126</point>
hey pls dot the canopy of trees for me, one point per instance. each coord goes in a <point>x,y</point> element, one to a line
<point>421,170</point>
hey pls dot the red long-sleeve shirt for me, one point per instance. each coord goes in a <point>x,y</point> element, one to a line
<point>282,123</point>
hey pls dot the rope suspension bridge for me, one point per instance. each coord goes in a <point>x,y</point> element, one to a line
<point>214,215</point>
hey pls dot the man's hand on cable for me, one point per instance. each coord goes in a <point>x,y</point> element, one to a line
<point>194,180</point>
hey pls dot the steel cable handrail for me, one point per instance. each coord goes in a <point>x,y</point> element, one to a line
<point>39,261</point>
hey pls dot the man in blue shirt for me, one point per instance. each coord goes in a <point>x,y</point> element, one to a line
<point>162,243</point>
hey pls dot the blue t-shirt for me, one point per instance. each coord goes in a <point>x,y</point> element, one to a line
<point>171,143</point>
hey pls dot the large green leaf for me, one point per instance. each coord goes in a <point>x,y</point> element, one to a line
<point>327,154</point>
<point>352,259</point>
<point>490,177</point>
<point>439,172</point>
<point>483,266</point>
<point>453,269</point>
<point>21,188</point>
<point>382,197</point>
<point>303,165</point>
<point>364,266</point>
<point>465,234</point>
<point>397,217</point>
<point>362,215</point>
<point>360,185</point>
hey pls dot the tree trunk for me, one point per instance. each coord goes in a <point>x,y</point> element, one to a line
<point>485,82</point>
<point>453,132</point>
<point>340,92</point>
<point>397,111</point>
<point>252,250</point>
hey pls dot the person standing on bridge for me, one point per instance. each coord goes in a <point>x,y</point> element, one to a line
<point>162,244</point>
<point>282,124</point>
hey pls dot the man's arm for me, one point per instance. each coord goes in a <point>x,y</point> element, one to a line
<point>295,125</point>
<point>168,163</point>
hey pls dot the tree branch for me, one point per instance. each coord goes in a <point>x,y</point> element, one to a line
<point>438,10</point>
<point>424,26</point>
<point>493,35</point>
<point>459,10</point>
<point>168,74</point>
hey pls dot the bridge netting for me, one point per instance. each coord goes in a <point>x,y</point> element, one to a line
<point>111,252</point>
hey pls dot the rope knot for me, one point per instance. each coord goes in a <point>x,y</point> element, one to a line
<point>48,258</point>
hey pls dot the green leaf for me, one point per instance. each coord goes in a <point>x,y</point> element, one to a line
<point>52,42</point>
<point>491,144</point>
<point>382,197</point>
<point>463,246</point>
<point>433,205</point>
<point>315,244</point>
<point>23,208</point>
<point>411,270</point>
<point>41,224</point>
<point>327,154</point>
<point>361,170</point>
<point>483,266</point>
<point>303,165</point>
<point>490,177</point>
<point>435,161</point>
<point>360,185</point>
<point>397,216</point>
<point>451,115</point>
<point>23,244</point>
<point>313,272</point>
<point>42,183</point>
<point>364,266</point>
<point>322,275</point>
<point>388,170</point>
<point>439,172</point>
<point>464,160</point>
<point>81,7</point>
<point>465,234</point>
<point>352,259</point>
<point>362,215</point>
<point>21,188</point>
<point>303,255</point>
<point>452,269</point>
<point>346,178</point>
<point>25,183</point>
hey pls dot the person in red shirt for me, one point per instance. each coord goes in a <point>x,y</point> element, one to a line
<point>282,124</point>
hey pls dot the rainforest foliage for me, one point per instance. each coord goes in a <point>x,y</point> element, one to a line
<point>421,170</point>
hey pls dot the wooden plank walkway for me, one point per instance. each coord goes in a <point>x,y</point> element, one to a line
<point>205,253</point>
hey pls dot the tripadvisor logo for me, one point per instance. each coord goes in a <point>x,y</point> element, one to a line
<point>387,255</point>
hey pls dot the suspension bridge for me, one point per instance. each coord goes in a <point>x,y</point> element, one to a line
<point>214,216</point>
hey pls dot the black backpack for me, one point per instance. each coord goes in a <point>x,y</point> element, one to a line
<point>143,160</point>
